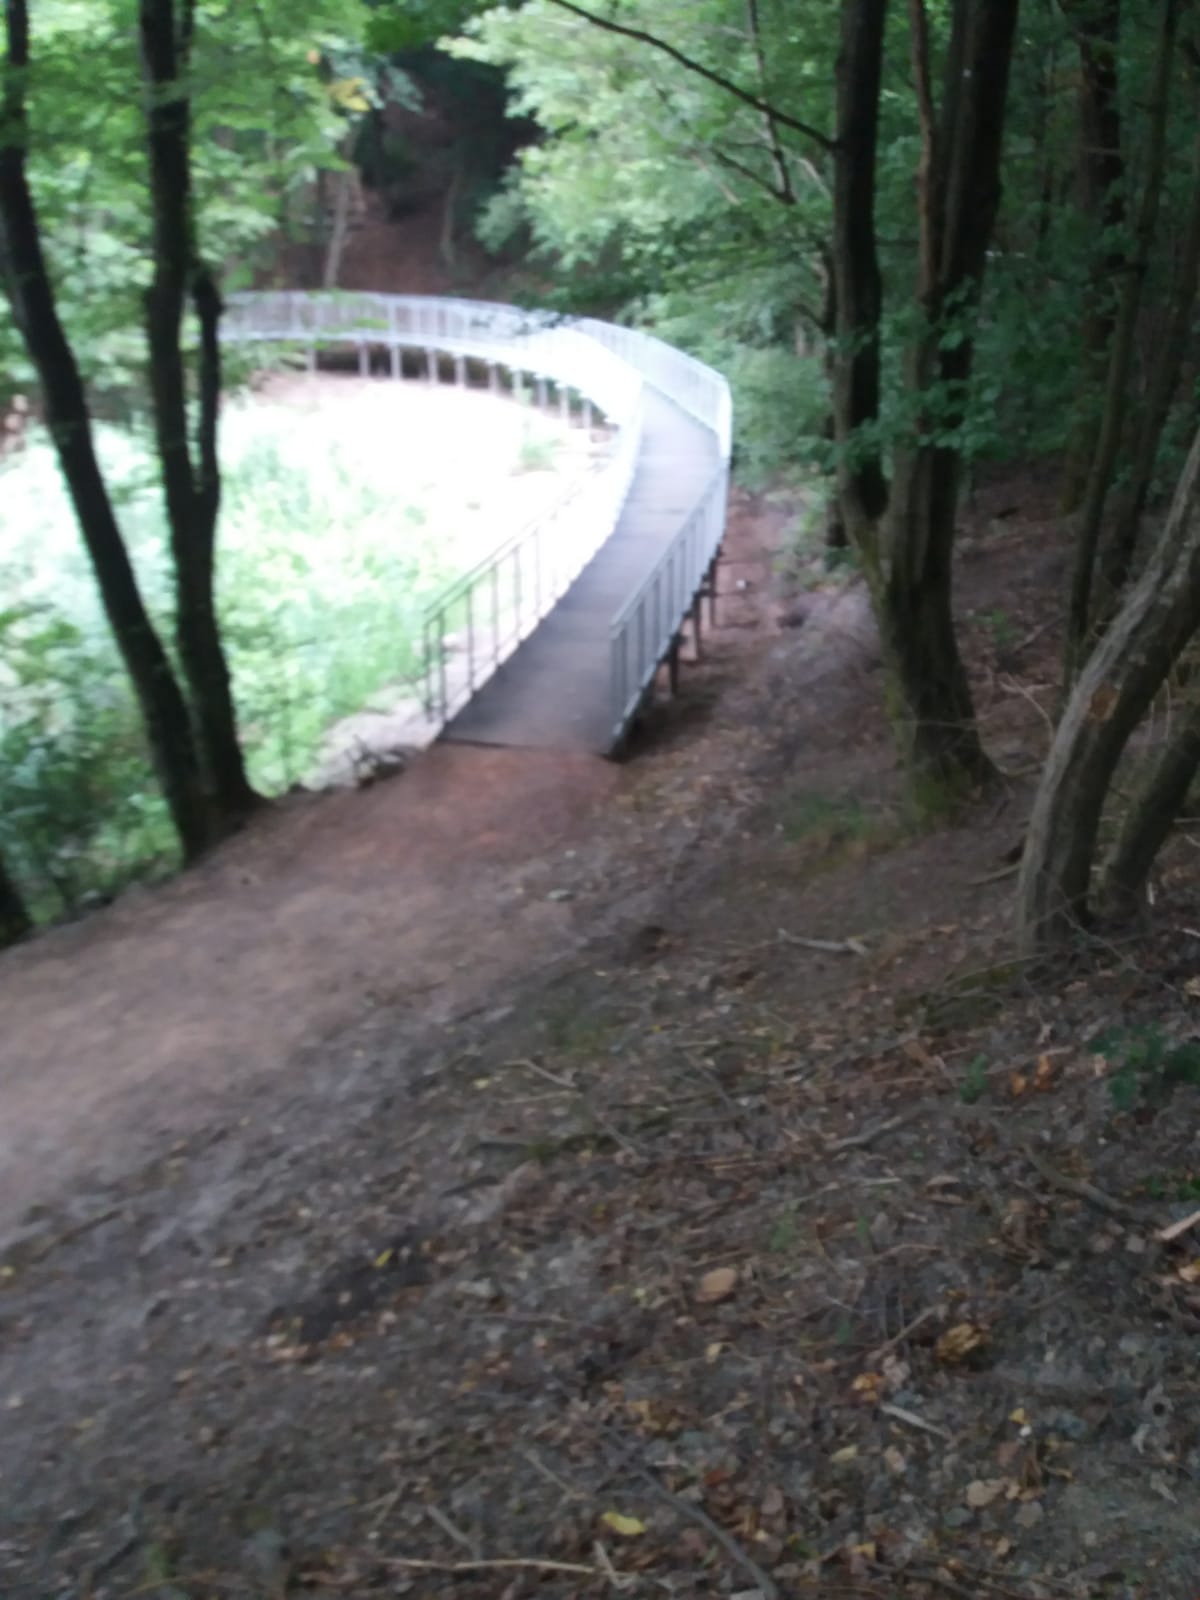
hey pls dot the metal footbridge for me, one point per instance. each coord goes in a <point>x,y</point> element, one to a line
<point>556,638</point>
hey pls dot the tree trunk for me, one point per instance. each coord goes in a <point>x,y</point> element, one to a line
<point>191,488</point>
<point>958,186</point>
<point>1097,25</point>
<point>35,312</point>
<point>338,234</point>
<point>857,283</point>
<point>1149,819</point>
<point>1118,550</point>
<point>1120,365</point>
<point>1111,695</point>
<point>15,921</point>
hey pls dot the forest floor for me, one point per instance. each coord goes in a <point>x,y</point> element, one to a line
<point>534,1176</point>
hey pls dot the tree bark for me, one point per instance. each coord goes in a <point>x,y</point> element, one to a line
<point>1097,26</point>
<point>1118,550</point>
<point>35,312</point>
<point>1111,695</point>
<point>857,283</point>
<point>191,487</point>
<point>1151,816</point>
<point>15,921</point>
<point>958,198</point>
<point>1120,365</point>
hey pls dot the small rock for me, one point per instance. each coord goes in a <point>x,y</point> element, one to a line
<point>1068,1425</point>
<point>983,1491</point>
<point>1030,1514</point>
<point>717,1285</point>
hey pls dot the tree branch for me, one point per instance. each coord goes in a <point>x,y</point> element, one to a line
<point>783,173</point>
<point>722,157</point>
<point>691,65</point>
<point>930,243</point>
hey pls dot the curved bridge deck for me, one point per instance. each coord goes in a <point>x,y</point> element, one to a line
<point>556,638</point>
<point>555,691</point>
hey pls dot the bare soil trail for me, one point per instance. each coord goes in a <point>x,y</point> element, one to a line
<point>542,1178</point>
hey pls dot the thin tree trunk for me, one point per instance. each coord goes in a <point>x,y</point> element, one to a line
<point>1120,365</point>
<point>836,536</point>
<point>1110,697</point>
<point>15,921</point>
<point>958,198</point>
<point>191,489</point>
<point>1097,25</point>
<point>339,232</point>
<point>857,283</point>
<point>1151,816</point>
<point>1118,550</point>
<point>35,312</point>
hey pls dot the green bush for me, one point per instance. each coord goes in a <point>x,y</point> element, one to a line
<point>323,574</point>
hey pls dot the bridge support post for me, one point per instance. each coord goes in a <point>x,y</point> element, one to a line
<point>397,367</point>
<point>543,398</point>
<point>460,371</point>
<point>310,358</point>
<point>673,666</point>
<point>564,402</point>
<point>431,366</point>
<point>493,378</point>
<point>697,611</point>
<point>364,361</point>
<point>710,588</point>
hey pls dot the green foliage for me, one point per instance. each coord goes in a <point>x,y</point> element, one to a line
<point>78,815</point>
<point>264,121</point>
<point>1147,1065</point>
<point>322,580</point>
<point>974,1081</point>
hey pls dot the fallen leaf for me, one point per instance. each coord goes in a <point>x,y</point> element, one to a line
<point>983,1491</point>
<point>868,1386</point>
<point>1190,1271</point>
<point>846,1453</point>
<point>1018,1083</point>
<point>384,1256</point>
<point>960,1341</point>
<point>895,1461</point>
<point>716,1285</point>
<point>772,1503</point>
<point>1020,1416</point>
<point>627,1527</point>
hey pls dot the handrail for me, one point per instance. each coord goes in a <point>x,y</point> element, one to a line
<point>588,362</point>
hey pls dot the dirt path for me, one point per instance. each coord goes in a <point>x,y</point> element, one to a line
<point>656,1240</point>
<point>421,893</point>
<point>411,900</point>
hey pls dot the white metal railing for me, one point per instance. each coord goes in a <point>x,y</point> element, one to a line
<point>649,622</point>
<point>472,627</point>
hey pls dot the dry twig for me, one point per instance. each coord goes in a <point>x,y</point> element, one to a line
<point>499,1564</point>
<point>860,1141</point>
<point>727,1542</point>
<point>1081,1189</point>
<point>913,1420</point>
<point>835,947</point>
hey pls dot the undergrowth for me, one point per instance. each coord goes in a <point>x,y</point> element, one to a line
<point>323,572</point>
